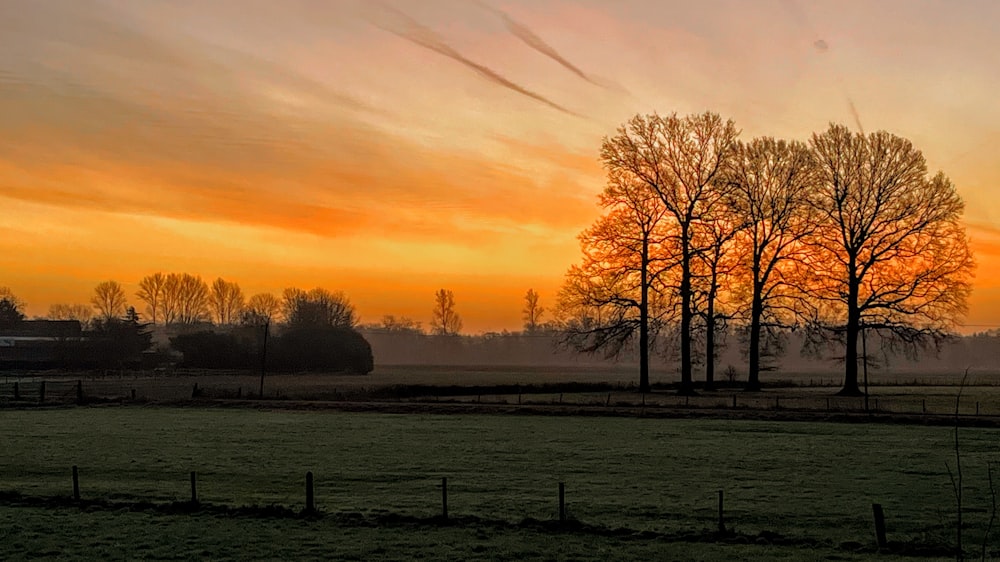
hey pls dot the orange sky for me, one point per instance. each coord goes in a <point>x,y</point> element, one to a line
<point>389,149</point>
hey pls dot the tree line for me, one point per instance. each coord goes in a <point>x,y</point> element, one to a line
<point>841,236</point>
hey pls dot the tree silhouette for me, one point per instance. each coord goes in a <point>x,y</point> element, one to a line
<point>889,252</point>
<point>610,297</point>
<point>532,312</point>
<point>109,300</point>
<point>10,311</point>
<point>151,291</point>
<point>318,308</point>
<point>227,302</point>
<point>262,308</point>
<point>770,182</point>
<point>714,262</point>
<point>79,312</point>
<point>444,320</point>
<point>680,159</point>
<point>186,299</point>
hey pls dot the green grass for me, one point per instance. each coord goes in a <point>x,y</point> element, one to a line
<point>805,480</point>
<point>30,533</point>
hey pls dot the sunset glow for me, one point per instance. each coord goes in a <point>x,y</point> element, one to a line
<point>391,149</point>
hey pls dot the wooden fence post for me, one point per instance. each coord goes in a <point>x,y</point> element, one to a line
<point>41,392</point>
<point>722,524</point>
<point>734,401</point>
<point>310,504</point>
<point>79,391</point>
<point>977,408</point>
<point>17,391</point>
<point>133,394</point>
<point>194,488</point>
<point>76,484</point>
<point>194,391</point>
<point>924,405</point>
<point>879,525</point>
<point>562,502</point>
<point>444,497</point>
<point>608,403</point>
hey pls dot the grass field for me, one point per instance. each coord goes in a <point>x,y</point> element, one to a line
<point>806,480</point>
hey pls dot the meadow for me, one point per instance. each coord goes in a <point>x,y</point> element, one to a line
<point>809,481</point>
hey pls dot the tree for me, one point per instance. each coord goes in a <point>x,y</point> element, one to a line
<point>889,252</point>
<point>151,291</point>
<point>680,159</point>
<point>611,296</point>
<point>188,298</point>
<point>402,325</point>
<point>444,320</point>
<point>318,308</point>
<point>532,312</point>
<point>227,302</point>
<point>79,312</point>
<point>11,308</point>
<point>770,182</point>
<point>713,262</point>
<point>109,300</point>
<point>262,308</point>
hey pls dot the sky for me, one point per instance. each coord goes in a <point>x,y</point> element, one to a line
<point>388,149</point>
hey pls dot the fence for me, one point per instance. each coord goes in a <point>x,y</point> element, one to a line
<point>931,402</point>
<point>559,519</point>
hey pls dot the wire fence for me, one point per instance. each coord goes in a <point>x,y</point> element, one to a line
<point>933,402</point>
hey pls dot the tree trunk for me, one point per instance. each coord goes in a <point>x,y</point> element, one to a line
<point>644,319</point>
<point>851,349</point>
<point>710,344</point>
<point>686,386</point>
<point>756,311</point>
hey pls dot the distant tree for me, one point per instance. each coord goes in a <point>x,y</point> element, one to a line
<point>318,307</point>
<point>151,291</point>
<point>8,295</point>
<point>770,182</point>
<point>262,308</point>
<point>889,252</point>
<point>188,296</point>
<point>680,159</point>
<point>612,296</point>
<point>120,341</point>
<point>79,312</point>
<point>445,321</point>
<point>532,312</point>
<point>109,300</point>
<point>227,302</point>
<point>402,325</point>
<point>11,307</point>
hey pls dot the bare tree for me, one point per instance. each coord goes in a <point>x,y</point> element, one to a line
<point>189,297</point>
<point>714,262</point>
<point>151,291</point>
<point>226,300</point>
<point>444,320</point>
<point>262,308</point>
<point>532,312</point>
<point>109,300</point>
<point>79,312</point>
<point>770,182</point>
<point>889,252</point>
<point>11,308</point>
<point>611,296</point>
<point>318,307</point>
<point>680,159</point>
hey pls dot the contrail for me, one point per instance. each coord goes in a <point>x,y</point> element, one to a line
<point>531,39</point>
<point>428,39</point>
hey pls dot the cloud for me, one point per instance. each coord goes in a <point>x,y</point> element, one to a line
<point>418,34</point>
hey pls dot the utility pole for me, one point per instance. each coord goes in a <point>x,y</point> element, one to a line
<point>263,360</point>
